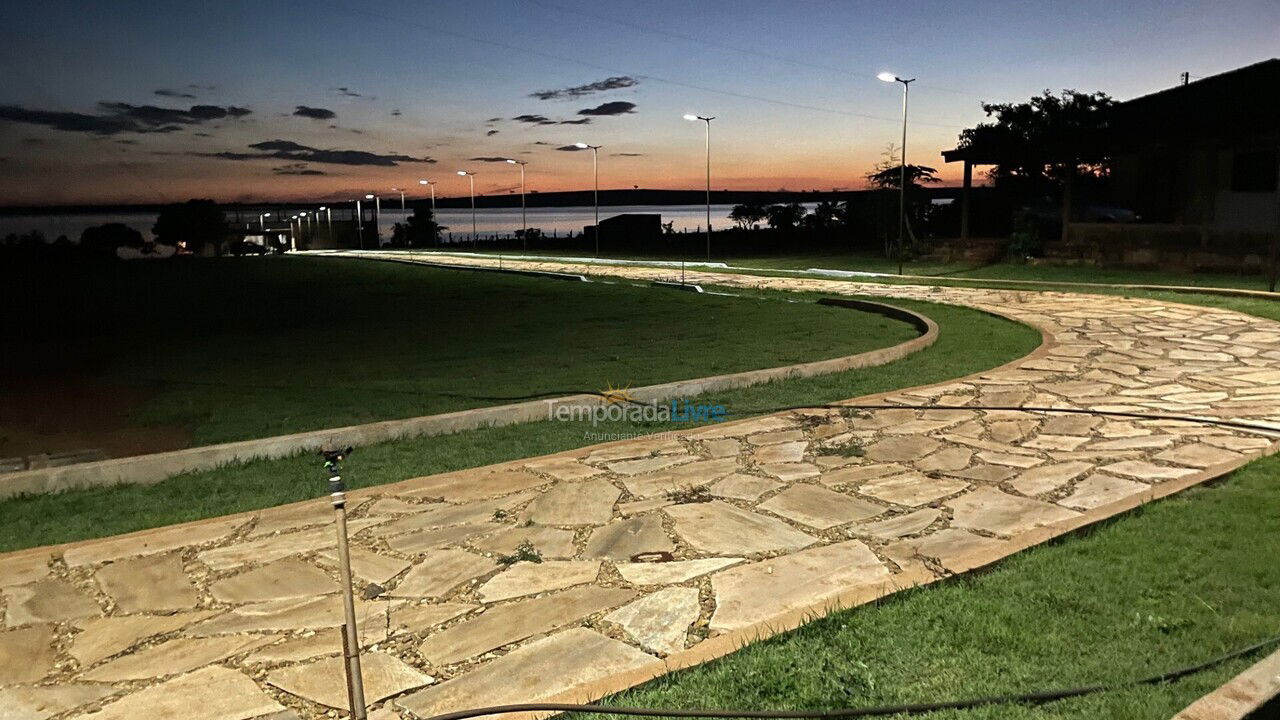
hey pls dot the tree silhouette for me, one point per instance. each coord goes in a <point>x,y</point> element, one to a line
<point>102,241</point>
<point>748,215</point>
<point>198,223</point>
<point>1047,139</point>
<point>419,229</point>
<point>785,217</point>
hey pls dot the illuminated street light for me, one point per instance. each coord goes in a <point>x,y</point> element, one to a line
<point>902,174</point>
<point>524,222</point>
<point>595,171</point>
<point>432,184</point>
<point>707,120</point>
<point>472,177</point>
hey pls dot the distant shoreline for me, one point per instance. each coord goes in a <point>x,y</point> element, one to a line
<point>571,198</point>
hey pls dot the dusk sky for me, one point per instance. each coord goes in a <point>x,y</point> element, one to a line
<point>161,101</point>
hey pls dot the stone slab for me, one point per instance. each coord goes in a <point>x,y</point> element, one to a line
<point>911,489</point>
<point>324,681</point>
<point>692,475</point>
<point>1097,490</point>
<point>743,487</point>
<point>442,571</point>
<point>368,565</point>
<point>551,543</point>
<point>176,656</point>
<point>557,664</point>
<point>287,578</point>
<point>900,525</point>
<point>102,637</point>
<point>589,502</point>
<point>51,600</point>
<point>516,621</point>
<point>659,622</point>
<point>669,573</point>
<point>461,487</point>
<point>1001,513</point>
<point>149,542</point>
<point>722,529</point>
<point>817,507</point>
<point>26,654</point>
<point>625,539</point>
<point>1048,478</point>
<point>38,703</point>
<point>755,592</point>
<point>148,583</point>
<point>214,693</point>
<point>526,578</point>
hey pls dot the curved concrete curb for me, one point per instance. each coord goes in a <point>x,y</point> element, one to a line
<point>152,468</point>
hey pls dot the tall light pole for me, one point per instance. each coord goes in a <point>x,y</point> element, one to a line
<point>328,222</point>
<point>902,175</point>
<point>472,177</point>
<point>262,224</point>
<point>524,222</point>
<point>595,172</point>
<point>377,217</point>
<point>432,185</point>
<point>707,120</point>
<point>401,191</point>
<point>360,223</point>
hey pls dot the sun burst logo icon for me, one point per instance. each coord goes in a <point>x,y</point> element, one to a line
<point>616,395</point>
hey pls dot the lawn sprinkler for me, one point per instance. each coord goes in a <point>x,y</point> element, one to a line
<point>350,638</point>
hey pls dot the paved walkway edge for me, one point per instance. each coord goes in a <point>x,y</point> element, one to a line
<point>1241,695</point>
<point>155,467</point>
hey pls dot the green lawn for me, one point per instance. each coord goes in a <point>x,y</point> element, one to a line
<point>970,341</point>
<point>1170,584</point>
<point>236,349</point>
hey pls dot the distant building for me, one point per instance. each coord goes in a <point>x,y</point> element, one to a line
<point>627,230</point>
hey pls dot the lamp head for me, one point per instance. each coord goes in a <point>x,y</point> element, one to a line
<point>369,196</point>
<point>324,207</point>
<point>689,116</point>
<point>888,77</point>
<point>581,145</point>
<point>462,172</point>
<point>509,160</point>
<point>423,182</point>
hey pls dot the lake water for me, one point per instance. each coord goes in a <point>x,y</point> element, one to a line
<point>500,221</point>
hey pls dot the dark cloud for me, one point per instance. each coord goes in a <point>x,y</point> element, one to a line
<point>534,119</point>
<point>124,141</point>
<point>493,120</point>
<point>613,83</point>
<point>120,117</point>
<point>396,112</point>
<point>544,120</point>
<point>570,148</point>
<point>296,169</point>
<point>299,153</point>
<point>491,133</point>
<point>174,94</point>
<point>314,113</point>
<point>617,107</point>
<point>628,154</point>
<point>489,159</point>
<point>542,142</point>
<point>347,92</point>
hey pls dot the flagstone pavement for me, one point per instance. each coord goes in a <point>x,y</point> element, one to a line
<point>571,576</point>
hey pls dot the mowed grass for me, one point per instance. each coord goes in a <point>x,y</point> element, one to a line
<point>970,341</point>
<point>235,349</point>
<point>1168,585</point>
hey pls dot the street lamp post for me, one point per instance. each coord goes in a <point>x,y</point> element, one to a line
<point>707,120</point>
<point>524,222</point>
<point>262,225</point>
<point>377,217</point>
<point>472,177</point>
<point>360,223</point>
<point>595,172</point>
<point>432,185</point>
<point>902,172</point>
<point>401,191</point>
